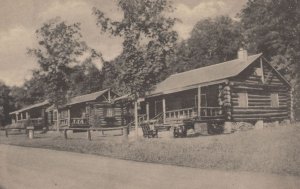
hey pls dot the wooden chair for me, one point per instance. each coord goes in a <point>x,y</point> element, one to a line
<point>147,132</point>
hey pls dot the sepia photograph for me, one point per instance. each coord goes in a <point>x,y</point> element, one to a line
<point>150,94</point>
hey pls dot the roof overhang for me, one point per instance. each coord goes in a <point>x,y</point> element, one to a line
<point>188,88</point>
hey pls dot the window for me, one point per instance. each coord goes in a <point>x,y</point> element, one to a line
<point>109,112</point>
<point>243,99</point>
<point>274,100</point>
<point>258,72</point>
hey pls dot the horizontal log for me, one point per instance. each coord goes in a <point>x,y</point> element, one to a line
<point>261,107</point>
<point>259,100</point>
<point>254,119</point>
<point>246,111</point>
<point>260,115</point>
<point>258,104</point>
<point>248,88</point>
<point>239,84</point>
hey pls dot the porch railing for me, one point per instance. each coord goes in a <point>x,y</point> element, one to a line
<point>206,113</point>
<point>31,121</point>
<point>181,113</point>
<point>79,121</point>
<point>210,112</point>
<point>36,121</point>
<point>63,121</point>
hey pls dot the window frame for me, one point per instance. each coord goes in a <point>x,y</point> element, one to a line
<point>276,100</point>
<point>246,100</point>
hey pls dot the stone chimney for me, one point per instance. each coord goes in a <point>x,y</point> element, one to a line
<point>242,54</point>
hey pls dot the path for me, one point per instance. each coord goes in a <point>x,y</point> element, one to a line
<point>40,168</point>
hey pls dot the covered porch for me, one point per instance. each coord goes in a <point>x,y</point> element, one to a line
<point>34,115</point>
<point>201,103</point>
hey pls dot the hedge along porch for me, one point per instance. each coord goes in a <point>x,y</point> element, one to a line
<point>34,115</point>
<point>247,89</point>
<point>98,109</point>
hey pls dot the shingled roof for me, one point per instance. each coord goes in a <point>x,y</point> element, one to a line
<point>87,97</point>
<point>46,102</point>
<point>203,75</point>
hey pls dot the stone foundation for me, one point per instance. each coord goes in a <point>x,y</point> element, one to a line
<point>259,124</point>
<point>227,127</point>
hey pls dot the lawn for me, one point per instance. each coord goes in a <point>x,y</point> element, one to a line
<point>270,150</point>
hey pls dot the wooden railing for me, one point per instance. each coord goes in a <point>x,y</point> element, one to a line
<point>63,121</point>
<point>79,121</point>
<point>36,121</point>
<point>210,112</point>
<point>206,113</point>
<point>181,113</point>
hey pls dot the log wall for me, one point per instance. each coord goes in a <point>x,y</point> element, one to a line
<point>97,117</point>
<point>259,90</point>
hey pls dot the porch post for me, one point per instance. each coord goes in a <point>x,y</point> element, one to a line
<point>17,117</point>
<point>27,115</point>
<point>69,117</point>
<point>136,118</point>
<point>57,119</point>
<point>147,111</point>
<point>164,110</point>
<point>199,102</point>
<point>21,116</point>
<point>109,98</point>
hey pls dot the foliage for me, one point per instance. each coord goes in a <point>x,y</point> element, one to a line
<point>5,105</point>
<point>32,91</point>
<point>60,45</point>
<point>84,79</point>
<point>273,27</point>
<point>148,41</point>
<point>213,40</point>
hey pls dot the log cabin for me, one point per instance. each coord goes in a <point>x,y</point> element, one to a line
<point>247,89</point>
<point>98,109</point>
<point>34,115</point>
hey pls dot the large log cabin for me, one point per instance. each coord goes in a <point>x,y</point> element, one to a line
<point>247,89</point>
<point>34,115</point>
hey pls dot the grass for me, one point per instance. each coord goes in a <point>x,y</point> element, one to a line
<point>271,150</point>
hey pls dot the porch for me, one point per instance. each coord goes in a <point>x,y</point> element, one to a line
<point>74,116</point>
<point>201,104</point>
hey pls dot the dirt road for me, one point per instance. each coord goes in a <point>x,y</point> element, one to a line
<point>40,168</point>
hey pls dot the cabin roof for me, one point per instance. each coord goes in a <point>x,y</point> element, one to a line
<point>86,98</point>
<point>203,75</point>
<point>46,102</point>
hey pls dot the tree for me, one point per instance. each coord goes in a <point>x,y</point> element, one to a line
<point>273,27</point>
<point>213,40</point>
<point>85,78</point>
<point>5,107</point>
<point>60,46</point>
<point>148,41</point>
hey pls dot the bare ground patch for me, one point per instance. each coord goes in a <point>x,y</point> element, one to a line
<point>271,150</point>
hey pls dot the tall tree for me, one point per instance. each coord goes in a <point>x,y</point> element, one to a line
<point>273,27</point>
<point>148,41</point>
<point>60,46</point>
<point>212,40</point>
<point>5,107</point>
<point>85,78</point>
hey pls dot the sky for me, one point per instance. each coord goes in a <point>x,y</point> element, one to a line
<point>19,19</point>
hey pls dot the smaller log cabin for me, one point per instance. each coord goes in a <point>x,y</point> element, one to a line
<point>34,115</point>
<point>98,109</point>
<point>246,89</point>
